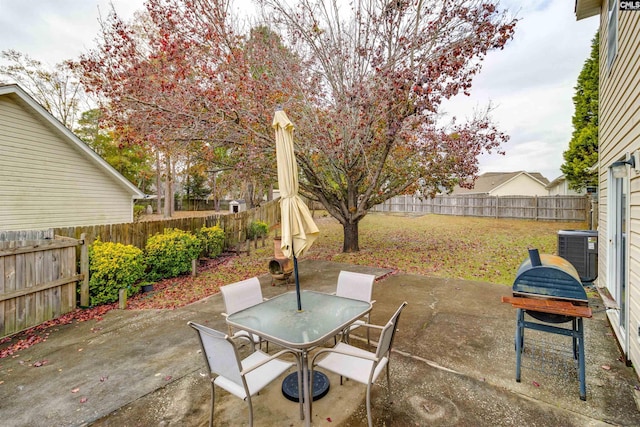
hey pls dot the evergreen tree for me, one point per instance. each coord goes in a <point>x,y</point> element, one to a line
<point>132,161</point>
<point>583,147</point>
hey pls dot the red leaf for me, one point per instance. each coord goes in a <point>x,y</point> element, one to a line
<point>536,384</point>
<point>84,400</point>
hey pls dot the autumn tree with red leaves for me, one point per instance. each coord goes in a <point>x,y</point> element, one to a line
<point>180,81</point>
<point>362,83</point>
<point>384,68</point>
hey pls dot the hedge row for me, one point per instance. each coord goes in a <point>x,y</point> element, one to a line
<point>114,266</point>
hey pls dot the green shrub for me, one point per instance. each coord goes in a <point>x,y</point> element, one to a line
<point>113,266</point>
<point>257,229</point>
<point>170,254</point>
<point>211,240</point>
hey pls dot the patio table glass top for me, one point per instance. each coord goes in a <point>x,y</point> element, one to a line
<point>278,319</point>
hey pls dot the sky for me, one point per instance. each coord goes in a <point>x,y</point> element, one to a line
<point>530,83</point>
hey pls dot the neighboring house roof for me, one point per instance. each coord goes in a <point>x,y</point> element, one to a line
<point>558,181</point>
<point>587,8</point>
<point>560,186</point>
<point>489,182</point>
<point>17,94</point>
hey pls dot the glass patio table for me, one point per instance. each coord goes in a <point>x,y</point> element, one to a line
<point>279,321</point>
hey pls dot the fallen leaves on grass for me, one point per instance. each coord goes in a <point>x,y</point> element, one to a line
<point>457,247</point>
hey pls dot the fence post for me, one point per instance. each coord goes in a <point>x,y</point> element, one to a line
<point>122,299</point>
<point>84,270</point>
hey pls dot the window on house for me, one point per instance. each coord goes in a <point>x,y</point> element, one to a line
<point>612,33</point>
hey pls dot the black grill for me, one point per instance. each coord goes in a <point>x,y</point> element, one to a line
<point>549,276</point>
<point>548,288</point>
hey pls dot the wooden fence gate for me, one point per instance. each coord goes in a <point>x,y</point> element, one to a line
<point>37,281</point>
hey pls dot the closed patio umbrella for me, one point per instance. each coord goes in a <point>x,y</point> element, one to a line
<point>299,231</point>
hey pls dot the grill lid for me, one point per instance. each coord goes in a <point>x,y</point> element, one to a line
<point>550,276</point>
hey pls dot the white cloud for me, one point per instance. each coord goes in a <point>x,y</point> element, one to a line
<point>531,85</point>
<point>530,82</point>
<point>52,31</point>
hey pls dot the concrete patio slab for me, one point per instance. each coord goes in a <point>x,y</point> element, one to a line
<point>453,365</point>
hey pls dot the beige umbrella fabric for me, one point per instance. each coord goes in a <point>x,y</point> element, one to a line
<point>299,231</point>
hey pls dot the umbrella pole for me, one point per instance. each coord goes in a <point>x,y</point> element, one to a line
<point>295,275</point>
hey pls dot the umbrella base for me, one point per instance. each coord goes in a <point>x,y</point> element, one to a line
<point>320,386</point>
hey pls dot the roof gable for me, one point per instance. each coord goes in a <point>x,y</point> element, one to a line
<point>18,95</point>
<point>491,181</point>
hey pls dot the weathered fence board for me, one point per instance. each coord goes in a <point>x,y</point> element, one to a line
<point>136,234</point>
<point>24,235</point>
<point>542,208</point>
<point>38,268</point>
<point>37,282</point>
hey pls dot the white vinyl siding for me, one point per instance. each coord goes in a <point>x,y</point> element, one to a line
<point>612,32</point>
<point>46,181</point>
<point>521,185</point>
<point>619,136</point>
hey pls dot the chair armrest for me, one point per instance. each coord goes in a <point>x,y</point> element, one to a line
<point>371,325</point>
<point>370,356</point>
<point>243,337</point>
<point>225,315</point>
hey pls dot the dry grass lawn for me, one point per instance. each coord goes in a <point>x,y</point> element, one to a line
<point>480,249</point>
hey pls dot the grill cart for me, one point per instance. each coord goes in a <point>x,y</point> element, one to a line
<point>548,289</point>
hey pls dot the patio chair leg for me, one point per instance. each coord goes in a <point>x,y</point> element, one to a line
<point>213,396</point>
<point>388,381</point>
<point>250,411</point>
<point>369,404</point>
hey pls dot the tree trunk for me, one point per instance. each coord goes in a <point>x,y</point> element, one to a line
<point>158,184</point>
<point>168,195</point>
<point>350,230</point>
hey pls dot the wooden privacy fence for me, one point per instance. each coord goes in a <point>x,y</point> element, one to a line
<point>137,233</point>
<point>543,208</point>
<point>37,281</point>
<point>39,268</point>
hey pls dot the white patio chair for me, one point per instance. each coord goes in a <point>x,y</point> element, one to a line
<point>242,378</point>
<point>357,364</point>
<point>355,286</point>
<point>238,296</point>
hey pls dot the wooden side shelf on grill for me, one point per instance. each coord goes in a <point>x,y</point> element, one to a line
<point>549,306</point>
